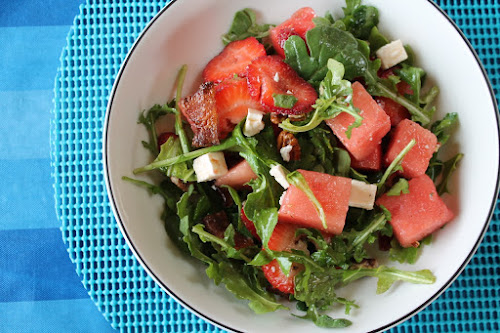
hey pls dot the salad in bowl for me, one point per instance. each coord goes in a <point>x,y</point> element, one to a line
<point>308,155</point>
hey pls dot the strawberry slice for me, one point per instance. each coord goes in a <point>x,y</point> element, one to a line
<point>298,24</point>
<point>234,59</point>
<point>278,279</point>
<point>215,109</point>
<point>232,100</point>
<point>249,224</point>
<point>282,239</point>
<point>270,75</point>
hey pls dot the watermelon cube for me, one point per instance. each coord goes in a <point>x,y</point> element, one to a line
<point>332,193</point>
<point>418,213</point>
<point>394,110</point>
<point>372,162</point>
<point>365,138</point>
<point>237,176</point>
<point>416,161</point>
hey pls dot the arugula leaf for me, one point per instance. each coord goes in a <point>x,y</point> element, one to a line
<point>229,143</point>
<point>185,212</point>
<point>360,19</point>
<point>395,165</point>
<point>448,168</point>
<point>441,127</point>
<point>226,244</point>
<point>401,187</point>
<point>261,206</point>
<point>245,25</point>
<point>403,254</point>
<point>356,239</point>
<point>284,101</point>
<point>243,282</point>
<point>376,40</point>
<point>179,126</point>
<point>316,288</point>
<point>170,149</point>
<point>148,119</point>
<point>325,42</point>
<point>335,95</point>
<point>322,320</point>
<point>388,275</point>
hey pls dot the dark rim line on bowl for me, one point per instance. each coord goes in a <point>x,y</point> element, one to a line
<point>197,312</point>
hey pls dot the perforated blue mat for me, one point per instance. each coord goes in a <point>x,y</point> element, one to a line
<point>96,45</point>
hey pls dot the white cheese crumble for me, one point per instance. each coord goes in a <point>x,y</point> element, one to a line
<point>285,152</point>
<point>392,54</point>
<point>279,174</point>
<point>362,194</point>
<point>253,123</point>
<point>210,166</point>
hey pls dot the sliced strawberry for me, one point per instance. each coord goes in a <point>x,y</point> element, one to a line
<point>215,109</point>
<point>298,24</point>
<point>278,279</point>
<point>271,75</point>
<point>249,224</point>
<point>232,100</point>
<point>234,59</point>
<point>282,239</point>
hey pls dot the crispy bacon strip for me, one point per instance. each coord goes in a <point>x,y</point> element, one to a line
<point>201,113</point>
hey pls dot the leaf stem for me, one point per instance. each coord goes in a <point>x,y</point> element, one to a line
<point>179,130</point>
<point>375,225</point>
<point>414,110</point>
<point>395,163</point>
<point>199,230</point>
<point>227,144</point>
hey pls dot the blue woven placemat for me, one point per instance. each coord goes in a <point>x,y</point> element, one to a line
<point>96,45</point>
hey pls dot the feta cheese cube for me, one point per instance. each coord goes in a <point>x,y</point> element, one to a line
<point>392,54</point>
<point>285,152</point>
<point>253,123</point>
<point>279,174</point>
<point>210,166</point>
<point>362,195</point>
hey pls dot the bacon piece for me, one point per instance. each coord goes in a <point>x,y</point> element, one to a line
<point>201,113</point>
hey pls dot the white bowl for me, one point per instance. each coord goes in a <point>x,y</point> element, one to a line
<point>188,32</point>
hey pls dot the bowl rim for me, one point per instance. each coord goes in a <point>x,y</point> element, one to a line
<point>193,310</point>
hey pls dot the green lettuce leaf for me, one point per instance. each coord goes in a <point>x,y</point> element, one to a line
<point>335,96</point>
<point>245,25</point>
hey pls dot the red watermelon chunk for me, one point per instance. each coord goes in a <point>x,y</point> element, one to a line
<point>237,176</point>
<point>416,161</point>
<point>365,138</point>
<point>395,111</point>
<point>372,162</point>
<point>417,214</point>
<point>332,193</point>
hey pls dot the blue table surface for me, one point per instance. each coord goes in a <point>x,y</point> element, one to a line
<point>39,288</point>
